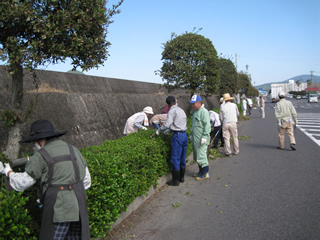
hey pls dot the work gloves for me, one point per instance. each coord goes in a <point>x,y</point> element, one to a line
<point>279,124</point>
<point>203,141</point>
<point>167,132</point>
<point>2,168</point>
<point>5,169</point>
<point>144,128</point>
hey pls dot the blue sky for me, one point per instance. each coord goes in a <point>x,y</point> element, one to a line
<point>277,39</point>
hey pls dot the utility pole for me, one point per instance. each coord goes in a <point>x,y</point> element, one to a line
<point>236,62</point>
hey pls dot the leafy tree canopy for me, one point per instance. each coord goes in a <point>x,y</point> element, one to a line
<point>37,32</point>
<point>190,61</point>
<point>246,85</point>
<point>228,77</point>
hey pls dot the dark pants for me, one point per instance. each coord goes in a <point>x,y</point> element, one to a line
<point>218,137</point>
<point>179,145</point>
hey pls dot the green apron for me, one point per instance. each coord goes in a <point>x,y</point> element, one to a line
<point>50,196</point>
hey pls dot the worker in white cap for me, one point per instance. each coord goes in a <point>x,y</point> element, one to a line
<point>138,121</point>
<point>286,114</point>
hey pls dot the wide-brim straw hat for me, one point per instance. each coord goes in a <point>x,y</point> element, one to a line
<point>41,129</point>
<point>227,97</point>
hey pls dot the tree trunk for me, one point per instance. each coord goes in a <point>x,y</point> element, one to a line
<point>17,87</point>
<point>13,146</point>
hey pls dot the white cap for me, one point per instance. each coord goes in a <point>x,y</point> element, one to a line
<point>148,110</point>
<point>281,94</point>
<point>221,100</point>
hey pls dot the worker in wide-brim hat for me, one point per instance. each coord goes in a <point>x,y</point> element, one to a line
<point>229,116</point>
<point>138,121</point>
<point>63,175</point>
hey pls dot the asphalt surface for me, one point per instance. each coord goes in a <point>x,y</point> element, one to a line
<point>264,193</point>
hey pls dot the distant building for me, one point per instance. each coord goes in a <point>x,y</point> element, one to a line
<point>287,87</point>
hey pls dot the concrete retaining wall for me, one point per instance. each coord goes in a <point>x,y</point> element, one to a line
<point>91,108</point>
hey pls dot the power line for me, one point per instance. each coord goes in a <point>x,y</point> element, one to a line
<point>273,59</point>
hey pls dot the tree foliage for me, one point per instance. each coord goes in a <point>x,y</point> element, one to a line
<point>190,61</point>
<point>38,32</point>
<point>245,85</point>
<point>228,77</point>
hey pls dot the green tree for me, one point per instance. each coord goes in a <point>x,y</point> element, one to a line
<point>228,77</point>
<point>309,82</point>
<point>245,85</point>
<point>35,33</point>
<point>244,82</point>
<point>298,82</point>
<point>190,61</point>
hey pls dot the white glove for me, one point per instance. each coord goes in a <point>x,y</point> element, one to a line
<point>7,168</point>
<point>144,128</point>
<point>203,141</point>
<point>2,168</point>
<point>279,124</point>
<point>157,132</point>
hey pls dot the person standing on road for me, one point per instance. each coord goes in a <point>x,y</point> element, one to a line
<point>229,116</point>
<point>177,123</point>
<point>250,104</point>
<point>222,102</point>
<point>244,106</point>
<point>285,114</point>
<point>216,130</point>
<point>63,176</point>
<point>200,136</point>
<point>262,105</point>
<point>258,101</point>
<point>138,121</point>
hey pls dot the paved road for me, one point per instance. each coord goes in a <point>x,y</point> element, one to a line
<point>264,193</point>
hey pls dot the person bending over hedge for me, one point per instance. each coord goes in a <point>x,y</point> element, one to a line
<point>63,175</point>
<point>138,121</point>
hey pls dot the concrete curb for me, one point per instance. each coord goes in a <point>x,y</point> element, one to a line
<point>141,199</point>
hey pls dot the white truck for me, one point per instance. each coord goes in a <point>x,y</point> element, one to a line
<point>275,91</point>
<point>312,97</point>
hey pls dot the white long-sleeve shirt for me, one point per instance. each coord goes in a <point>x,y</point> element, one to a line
<point>23,181</point>
<point>214,119</point>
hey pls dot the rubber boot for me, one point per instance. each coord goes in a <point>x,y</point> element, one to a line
<point>205,174</point>
<point>199,173</point>
<point>175,178</point>
<point>182,171</point>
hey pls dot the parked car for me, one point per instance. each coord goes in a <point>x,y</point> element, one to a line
<point>298,97</point>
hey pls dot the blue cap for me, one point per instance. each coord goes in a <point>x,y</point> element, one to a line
<point>195,98</point>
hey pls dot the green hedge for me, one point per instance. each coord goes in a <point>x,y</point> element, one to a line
<point>121,170</point>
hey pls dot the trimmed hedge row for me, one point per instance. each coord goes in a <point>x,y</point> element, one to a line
<point>121,170</point>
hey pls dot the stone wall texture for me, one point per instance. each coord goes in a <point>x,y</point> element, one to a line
<point>92,109</point>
